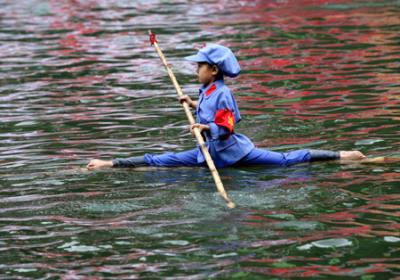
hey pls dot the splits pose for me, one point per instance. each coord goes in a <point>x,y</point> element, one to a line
<point>216,115</point>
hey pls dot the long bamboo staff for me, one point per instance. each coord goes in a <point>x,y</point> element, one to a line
<point>196,130</point>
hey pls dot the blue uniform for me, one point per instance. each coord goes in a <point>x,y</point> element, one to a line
<point>217,108</point>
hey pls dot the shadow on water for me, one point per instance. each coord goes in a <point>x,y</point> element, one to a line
<point>78,80</point>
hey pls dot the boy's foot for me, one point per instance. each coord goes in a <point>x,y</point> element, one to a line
<point>98,163</point>
<point>351,155</point>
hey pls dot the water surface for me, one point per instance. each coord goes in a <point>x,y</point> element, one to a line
<point>79,80</point>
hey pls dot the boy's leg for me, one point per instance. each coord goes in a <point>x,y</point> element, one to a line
<point>187,158</point>
<point>266,157</point>
<point>323,155</point>
<point>129,162</point>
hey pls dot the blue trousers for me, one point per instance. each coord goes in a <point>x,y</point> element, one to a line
<point>255,157</point>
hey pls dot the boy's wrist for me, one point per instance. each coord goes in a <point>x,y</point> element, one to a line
<point>206,127</point>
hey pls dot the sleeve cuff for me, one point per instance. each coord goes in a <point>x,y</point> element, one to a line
<point>129,162</point>
<point>115,162</point>
<point>323,155</point>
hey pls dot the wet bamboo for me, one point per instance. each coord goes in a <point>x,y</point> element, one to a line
<point>203,147</point>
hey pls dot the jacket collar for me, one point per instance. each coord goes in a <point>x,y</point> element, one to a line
<point>212,87</point>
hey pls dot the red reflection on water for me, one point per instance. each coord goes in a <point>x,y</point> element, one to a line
<point>277,141</point>
<point>376,217</point>
<point>80,21</point>
<point>76,17</point>
<point>316,270</point>
<point>297,50</point>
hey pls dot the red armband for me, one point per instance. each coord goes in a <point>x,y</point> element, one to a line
<point>225,118</point>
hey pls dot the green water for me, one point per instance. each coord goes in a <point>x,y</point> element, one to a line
<point>79,80</point>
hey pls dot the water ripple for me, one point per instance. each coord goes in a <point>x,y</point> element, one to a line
<point>79,80</point>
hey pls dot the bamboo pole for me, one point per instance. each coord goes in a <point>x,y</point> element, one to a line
<point>196,130</point>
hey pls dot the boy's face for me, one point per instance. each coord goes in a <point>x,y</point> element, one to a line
<point>206,73</point>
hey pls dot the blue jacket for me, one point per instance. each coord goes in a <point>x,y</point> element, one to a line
<point>217,108</point>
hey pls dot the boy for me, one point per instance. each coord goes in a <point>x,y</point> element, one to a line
<point>216,115</point>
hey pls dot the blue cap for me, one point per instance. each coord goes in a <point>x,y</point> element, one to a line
<point>221,56</point>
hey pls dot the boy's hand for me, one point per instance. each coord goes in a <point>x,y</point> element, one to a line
<point>201,127</point>
<point>188,100</point>
<point>98,163</point>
